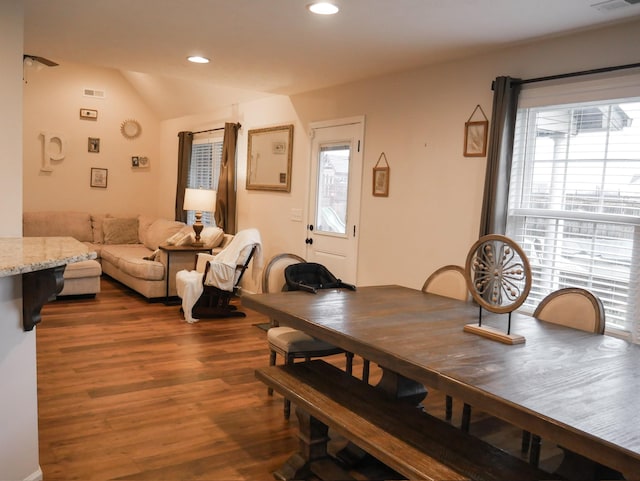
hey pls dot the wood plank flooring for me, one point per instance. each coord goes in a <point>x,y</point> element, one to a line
<point>128,391</point>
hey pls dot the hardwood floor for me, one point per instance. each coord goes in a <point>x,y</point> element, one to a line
<point>128,391</point>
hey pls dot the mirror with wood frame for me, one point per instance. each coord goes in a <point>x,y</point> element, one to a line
<point>269,157</point>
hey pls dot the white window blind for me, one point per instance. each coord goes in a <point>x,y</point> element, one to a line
<point>574,202</point>
<point>204,170</point>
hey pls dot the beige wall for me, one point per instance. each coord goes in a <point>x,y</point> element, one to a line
<point>432,214</point>
<point>53,98</point>
<point>18,384</point>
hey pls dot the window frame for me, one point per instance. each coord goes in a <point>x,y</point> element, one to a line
<point>197,175</point>
<point>517,214</point>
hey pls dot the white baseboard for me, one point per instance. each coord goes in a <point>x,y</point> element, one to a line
<point>35,476</point>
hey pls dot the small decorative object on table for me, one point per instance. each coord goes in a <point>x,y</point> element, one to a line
<point>499,279</point>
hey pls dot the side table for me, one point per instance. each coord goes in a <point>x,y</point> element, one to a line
<point>178,258</point>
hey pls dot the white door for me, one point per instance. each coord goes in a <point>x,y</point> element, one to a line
<point>334,196</point>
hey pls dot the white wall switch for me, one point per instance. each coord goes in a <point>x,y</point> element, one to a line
<point>296,215</point>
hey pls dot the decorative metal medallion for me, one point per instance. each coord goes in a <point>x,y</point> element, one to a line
<point>130,128</point>
<point>498,273</point>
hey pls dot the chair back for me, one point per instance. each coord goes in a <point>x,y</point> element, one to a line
<point>273,275</point>
<point>573,307</point>
<point>448,281</point>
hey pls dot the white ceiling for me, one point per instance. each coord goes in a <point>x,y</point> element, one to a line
<point>277,46</point>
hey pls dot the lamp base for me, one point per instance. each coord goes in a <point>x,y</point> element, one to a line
<point>197,228</point>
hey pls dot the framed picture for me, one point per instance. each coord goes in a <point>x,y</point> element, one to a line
<point>269,158</point>
<point>94,144</point>
<point>475,138</point>
<point>88,114</point>
<point>99,177</point>
<point>138,162</point>
<point>381,181</point>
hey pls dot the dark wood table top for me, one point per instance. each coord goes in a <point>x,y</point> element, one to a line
<point>577,389</point>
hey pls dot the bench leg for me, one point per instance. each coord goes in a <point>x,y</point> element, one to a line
<point>313,437</point>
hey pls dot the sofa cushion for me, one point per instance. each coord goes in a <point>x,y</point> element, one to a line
<point>96,227</point>
<point>120,230</point>
<point>144,221</point>
<point>159,231</point>
<point>56,224</point>
<point>210,236</point>
<point>130,260</point>
<point>78,270</point>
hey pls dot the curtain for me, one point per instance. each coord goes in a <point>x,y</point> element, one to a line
<point>226,199</point>
<point>498,173</point>
<point>185,142</point>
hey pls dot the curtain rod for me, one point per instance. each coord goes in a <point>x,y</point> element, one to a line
<point>578,74</point>
<point>214,130</point>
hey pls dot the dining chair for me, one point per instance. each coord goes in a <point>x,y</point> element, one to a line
<point>448,281</point>
<point>572,307</point>
<point>292,343</point>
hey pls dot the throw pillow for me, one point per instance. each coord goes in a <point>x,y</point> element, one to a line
<point>181,237</point>
<point>159,231</point>
<point>96,226</point>
<point>120,231</point>
<point>144,221</point>
<point>211,237</point>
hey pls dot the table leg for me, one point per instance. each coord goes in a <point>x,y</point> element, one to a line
<point>313,437</point>
<point>402,388</point>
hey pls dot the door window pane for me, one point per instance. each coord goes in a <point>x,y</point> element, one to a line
<point>333,189</point>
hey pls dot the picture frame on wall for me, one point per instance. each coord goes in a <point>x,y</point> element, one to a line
<point>475,138</point>
<point>381,181</point>
<point>99,177</point>
<point>381,172</point>
<point>93,145</point>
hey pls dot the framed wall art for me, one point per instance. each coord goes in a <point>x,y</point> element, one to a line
<point>99,177</point>
<point>381,177</point>
<point>269,158</point>
<point>475,135</point>
<point>93,145</point>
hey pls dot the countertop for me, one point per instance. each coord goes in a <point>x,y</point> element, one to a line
<point>19,255</point>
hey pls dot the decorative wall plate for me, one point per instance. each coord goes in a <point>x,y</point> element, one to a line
<point>130,128</point>
<point>498,273</point>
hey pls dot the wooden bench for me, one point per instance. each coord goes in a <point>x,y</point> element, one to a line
<point>413,443</point>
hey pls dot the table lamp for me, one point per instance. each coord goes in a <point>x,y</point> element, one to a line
<point>199,200</point>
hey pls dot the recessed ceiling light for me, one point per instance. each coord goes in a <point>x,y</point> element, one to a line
<point>197,59</point>
<point>323,8</point>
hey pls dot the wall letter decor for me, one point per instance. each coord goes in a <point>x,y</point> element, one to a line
<point>52,149</point>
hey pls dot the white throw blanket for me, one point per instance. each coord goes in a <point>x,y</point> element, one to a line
<point>222,271</point>
<point>189,287</point>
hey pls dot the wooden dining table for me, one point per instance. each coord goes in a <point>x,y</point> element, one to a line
<point>577,389</point>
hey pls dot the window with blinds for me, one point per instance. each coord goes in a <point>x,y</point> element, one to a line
<point>574,201</point>
<point>204,170</point>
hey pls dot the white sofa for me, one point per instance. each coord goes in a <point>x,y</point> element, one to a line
<point>126,248</point>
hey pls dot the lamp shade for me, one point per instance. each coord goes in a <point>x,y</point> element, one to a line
<point>201,200</point>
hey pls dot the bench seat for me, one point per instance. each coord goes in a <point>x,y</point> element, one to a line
<point>413,443</point>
